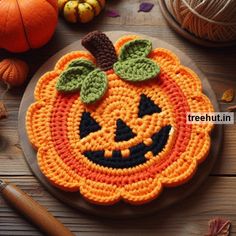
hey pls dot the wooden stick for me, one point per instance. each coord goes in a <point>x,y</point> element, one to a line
<point>36,213</point>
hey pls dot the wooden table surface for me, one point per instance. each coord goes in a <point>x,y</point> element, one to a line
<point>216,197</point>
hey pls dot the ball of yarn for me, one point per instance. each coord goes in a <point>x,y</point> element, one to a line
<point>214,20</point>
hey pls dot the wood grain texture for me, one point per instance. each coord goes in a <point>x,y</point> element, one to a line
<point>33,211</point>
<point>215,197</point>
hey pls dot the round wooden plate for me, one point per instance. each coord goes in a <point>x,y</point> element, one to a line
<point>121,209</point>
<point>191,37</point>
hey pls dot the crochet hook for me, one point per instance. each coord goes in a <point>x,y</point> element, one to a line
<point>32,210</point>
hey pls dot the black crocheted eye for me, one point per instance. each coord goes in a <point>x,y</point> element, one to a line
<point>147,106</point>
<point>87,125</point>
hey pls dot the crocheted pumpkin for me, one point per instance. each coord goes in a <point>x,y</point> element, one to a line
<point>26,24</point>
<point>118,132</point>
<point>81,10</point>
<point>13,71</point>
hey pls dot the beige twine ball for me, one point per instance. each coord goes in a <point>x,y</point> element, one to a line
<point>214,20</point>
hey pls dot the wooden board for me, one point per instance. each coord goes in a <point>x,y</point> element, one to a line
<point>121,209</point>
<point>191,37</point>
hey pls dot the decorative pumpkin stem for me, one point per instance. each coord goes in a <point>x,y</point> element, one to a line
<point>100,46</point>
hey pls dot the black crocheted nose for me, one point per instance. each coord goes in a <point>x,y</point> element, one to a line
<point>123,131</point>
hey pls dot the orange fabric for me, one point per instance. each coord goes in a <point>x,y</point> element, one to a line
<point>53,121</point>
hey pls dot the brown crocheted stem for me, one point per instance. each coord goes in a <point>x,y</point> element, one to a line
<point>100,46</point>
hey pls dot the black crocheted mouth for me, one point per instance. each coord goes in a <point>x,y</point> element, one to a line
<point>137,152</point>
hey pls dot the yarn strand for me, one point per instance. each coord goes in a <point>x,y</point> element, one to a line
<point>214,20</point>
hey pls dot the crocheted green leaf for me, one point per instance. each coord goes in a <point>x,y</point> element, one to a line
<point>71,79</point>
<point>135,49</point>
<point>136,69</point>
<point>82,62</point>
<point>94,86</point>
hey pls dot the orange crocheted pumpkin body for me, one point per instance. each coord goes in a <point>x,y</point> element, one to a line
<point>26,24</point>
<point>131,142</point>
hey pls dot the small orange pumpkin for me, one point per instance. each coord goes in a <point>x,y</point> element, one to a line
<point>26,24</point>
<point>13,71</point>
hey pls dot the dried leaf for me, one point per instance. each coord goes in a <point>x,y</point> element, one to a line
<point>145,7</point>
<point>228,95</point>
<point>3,110</point>
<point>218,227</point>
<point>231,108</point>
<point>112,13</point>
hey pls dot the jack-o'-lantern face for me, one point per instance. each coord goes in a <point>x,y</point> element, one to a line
<point>126,129</point>
<point>131,139</point>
